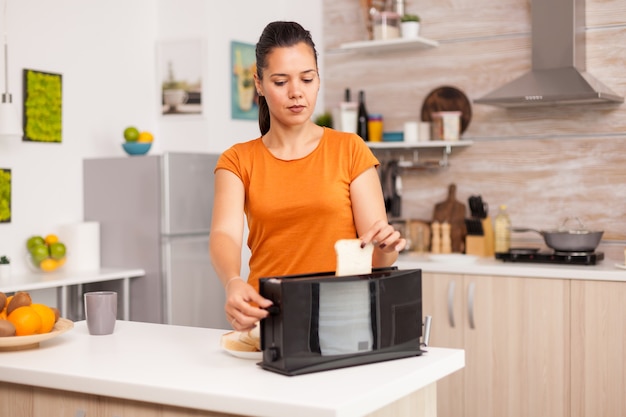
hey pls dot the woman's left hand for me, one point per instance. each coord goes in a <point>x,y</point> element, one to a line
<point>384,237</point>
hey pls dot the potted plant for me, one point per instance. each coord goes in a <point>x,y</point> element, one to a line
<point>410,26</point>
<point>5,267</point>
<point>325,119</point>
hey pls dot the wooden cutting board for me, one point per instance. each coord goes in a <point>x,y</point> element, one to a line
<point>452,211</point>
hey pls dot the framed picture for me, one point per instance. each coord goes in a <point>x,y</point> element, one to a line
<point>244,98</point>
<point>181,69</point>
<point>43,106</point>
<point>5,195</point>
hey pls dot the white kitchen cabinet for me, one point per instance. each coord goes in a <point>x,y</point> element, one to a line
<point>598,348</point>
<point>515,332</point>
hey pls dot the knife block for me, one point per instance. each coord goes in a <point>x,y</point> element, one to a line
<point>481,245</point>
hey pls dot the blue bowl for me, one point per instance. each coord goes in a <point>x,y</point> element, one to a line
<point>136,148</point>
<point>393,136</point>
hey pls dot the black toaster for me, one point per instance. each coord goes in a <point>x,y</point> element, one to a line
<point>320,321</point>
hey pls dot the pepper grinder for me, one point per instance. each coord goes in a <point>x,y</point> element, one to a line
<point>435,242</point>
<point>446,242</point>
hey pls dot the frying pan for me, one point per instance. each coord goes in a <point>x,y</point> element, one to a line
<point>568,240</point>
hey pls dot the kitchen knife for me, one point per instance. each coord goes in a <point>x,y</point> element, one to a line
<point>474,227</point>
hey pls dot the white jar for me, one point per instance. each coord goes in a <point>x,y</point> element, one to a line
<point>446,125</point>
<point>386,26</point>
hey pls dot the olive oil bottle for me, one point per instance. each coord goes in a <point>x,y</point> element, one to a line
<point>502,231</point>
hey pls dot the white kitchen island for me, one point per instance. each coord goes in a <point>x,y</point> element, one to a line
<point>146,369</point>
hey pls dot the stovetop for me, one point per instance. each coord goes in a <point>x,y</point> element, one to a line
<point>536,256</point>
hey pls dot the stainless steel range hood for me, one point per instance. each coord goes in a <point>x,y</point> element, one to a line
<point>558,73</point>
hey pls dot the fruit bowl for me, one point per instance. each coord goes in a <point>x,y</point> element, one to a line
<point>136,148</point>
<point>48,264</point>
<point>45,255</point>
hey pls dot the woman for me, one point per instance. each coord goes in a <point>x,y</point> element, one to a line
<point>301,187</point>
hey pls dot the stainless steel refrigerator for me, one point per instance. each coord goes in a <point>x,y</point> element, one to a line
<point>155,213</point>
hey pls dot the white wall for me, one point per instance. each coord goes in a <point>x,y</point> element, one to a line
<point>219,24</point>
<point>106,51</point>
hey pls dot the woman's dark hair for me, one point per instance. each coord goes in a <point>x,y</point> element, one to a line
<point>277,35</point>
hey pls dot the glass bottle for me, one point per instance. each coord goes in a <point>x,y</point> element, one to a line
<point>502,231</point>
<point>348,109</point>
<point>362,128</point>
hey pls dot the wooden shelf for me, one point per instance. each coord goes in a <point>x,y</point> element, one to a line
<point>387,45</point>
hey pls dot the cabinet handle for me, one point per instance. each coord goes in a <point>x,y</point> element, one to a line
<point>451,303</point>
<point>470,304</point>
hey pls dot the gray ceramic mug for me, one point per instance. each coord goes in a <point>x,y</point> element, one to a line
<point>101,311</point>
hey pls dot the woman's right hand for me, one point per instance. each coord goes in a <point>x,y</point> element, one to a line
<point>244,306</point>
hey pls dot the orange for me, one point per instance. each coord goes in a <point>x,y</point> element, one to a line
<point>49,264</point>
<point>3,313</point>
<point>47,317</point>
<point>9,298</point>
<point>26,321</point>
<point>145,137</point>
<point>50,239</point>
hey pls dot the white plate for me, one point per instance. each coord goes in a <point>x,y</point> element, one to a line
<point>453,258</point>
<point>239,353</point>
<point>28,342</point>
<point>245,355</point>
<point>621,266</point>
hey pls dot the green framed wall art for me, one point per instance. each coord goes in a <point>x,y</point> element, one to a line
<point>43,106</point>
<point>5,195</point>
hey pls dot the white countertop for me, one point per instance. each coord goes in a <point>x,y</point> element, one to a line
<point>185,366</point>
<point>43,280</point>
<point>605,270</point>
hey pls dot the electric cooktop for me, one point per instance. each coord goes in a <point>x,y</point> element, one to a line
<point>554,257</point>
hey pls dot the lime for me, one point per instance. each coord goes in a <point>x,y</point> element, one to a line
<point>131,134</point>
<point>57,250</point>
<point>33,241</point>
<point>39,252</point>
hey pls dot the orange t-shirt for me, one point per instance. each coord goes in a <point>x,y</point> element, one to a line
<point>296,210</point>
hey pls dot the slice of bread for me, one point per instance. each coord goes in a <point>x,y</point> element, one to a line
<point>232,341</point>
<point>352,259</point>
<point>252,337</point>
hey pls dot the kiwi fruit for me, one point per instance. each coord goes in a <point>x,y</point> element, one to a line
<point>20,299</point>
<point>6,328</point>
<point>3,300</point>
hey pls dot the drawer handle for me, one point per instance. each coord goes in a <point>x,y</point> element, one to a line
<point>470,304</point>
<point>451,303</point>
